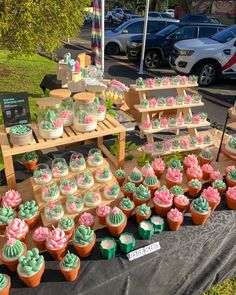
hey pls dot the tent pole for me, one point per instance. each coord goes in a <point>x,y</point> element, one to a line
<point>103,34</point>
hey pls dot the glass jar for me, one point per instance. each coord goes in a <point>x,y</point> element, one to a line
<point>48,116</point>
<point>77,162</point>
<point>68,186</point>
<point>85,112</point>
<point>66,109</point>
<point>59,167</point>
<point>95,157</point>
<point>50,192</point>
<point>42,174</point>
<point>101,113</point>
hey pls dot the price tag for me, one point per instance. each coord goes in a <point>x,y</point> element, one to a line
<point>143,251</point>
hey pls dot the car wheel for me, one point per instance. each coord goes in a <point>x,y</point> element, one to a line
<point>152,59</point>
<point>112,49</point>
<point>207,73</point>
<point>110,20</point>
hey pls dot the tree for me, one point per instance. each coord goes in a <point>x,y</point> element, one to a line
<point>30,26</point>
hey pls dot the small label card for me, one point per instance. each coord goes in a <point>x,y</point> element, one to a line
<point>143,251</point>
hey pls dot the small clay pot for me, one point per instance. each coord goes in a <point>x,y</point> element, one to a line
<point>162,210</point>
<point>115,231</point>
<point>40,244</point>
<point>190,177</point>
<point>159,173</point>
<point>206,175</point>
<point>203,161</point>
<point>182,208</point>
<point>127,194</point>
<point>138,202</point>
<point>101,218</point>
<point>34,280</point>
<point>170,183</point>
<point>5,291</point>
<point>193,192</point>
<point>199,218</point>
<point>186,167</point>
<point>213,205</point>
<point>84,251</point>
<point>230,182</point>
<point>174,225</point>
<point>120,180</point>
<point>30,165</point>
<point>71,274</point>
<point>221,191</point>
<point>127,212</point>
<point>231,203</point>
<point>140,217</point>
<point>153,188</point>
<point>32,221</point>
<point>57,254</point>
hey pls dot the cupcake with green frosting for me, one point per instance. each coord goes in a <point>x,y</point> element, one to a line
<point>145,229</point>
<point>200,210</point>
<point>84,240</point>
<point>7,214</point>
<point>69,266</point>
<point>111,192</point>
<point>135,176</point>
<point>108,248</point>
<point>207,139</point>
<point>5,284</point>
<point>120,176</point>
<point>205,157</point>
<point>29,212</point>
<point>219,185</point>
<point>194,187</point>
<point>151,182</point>
<point>176,190</point>
<point>67,224</point>
<point>142,195</point>
<point>74,204</point>
<point>126,242</point>
<point>127,206</point>
<point>175,144</point>
<point>193,141</point>
<point>128,189</point>
<point>84,180</point>
<point>116,221</point>
<point>176,164</point>
<point>231,177</point>
<point>142,212</point>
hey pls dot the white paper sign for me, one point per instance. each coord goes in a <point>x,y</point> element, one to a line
<point>143,251</point>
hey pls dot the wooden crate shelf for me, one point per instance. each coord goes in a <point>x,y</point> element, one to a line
<point>139,108</point>
<point>162,87</point>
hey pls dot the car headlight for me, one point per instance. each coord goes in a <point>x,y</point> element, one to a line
<point>186,52</point>
<point>134,44</point>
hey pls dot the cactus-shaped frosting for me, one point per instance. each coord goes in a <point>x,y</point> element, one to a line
<point>13,248</point>
<point>135,175</point>
<point>120,173</point>
<point>28,209</point>
<point>232,174</point>
<point>70,261</point>
<point>116,216</point>
<point>129,187</point>
<point>176,164</point>
<point>66,223</point>
<point>3,281</point>
<point>143,210</point>
<point>201,205</point>
<point>219,184</point>
<point>142,192</point>
<point>127,204</point>
<point>20,129</point>
<point>177,190</point>
<point>49,119</point>
<point>195,183</point>
<point>6,214</point>
<point>207,154</point>
<point>151,180</point>
<point>113,190</point>
<point>31,263</point>
<point>83,235</point>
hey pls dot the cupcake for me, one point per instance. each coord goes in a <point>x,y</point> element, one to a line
<point>144,103</point>
<point>183,80</point>
<point>59,168</point>
<point>205,157</point>
<point>140,83</point>
<point>84,180</point>
<point>158,223</point>
<point>189,161</point>
<point>102,211</point>
<point>53,212</point>
<point>11,252</point>
<point>180,120</point>
<point>147,125</point>
<point>175,164</point>
<point>184,143</point>
<point>175,219</point>
<point>111,192</point>
<point>146,229</point>
<point>29,212</point>
<point>181,202</point>
<point>194,172</point>
<point>135,176</point>
<point>166,81</point>
<point>120,176</point>
<point>212,196</point>
<point>152,183</point>
<point>231,177</point>
<point>176,190</point>
<point>50,192</point>
<point>193,141</point>
<point>68,186</point>
<point>126,206</point>
<point>152,102</point>
<point>5,284</point>
<point>31,268</point>
<point>69,266</point>
<point>42,174</point>
<point>92,199</point>
<point>229,168</point>
<point>219,185</point>
<point>207,139</point>
<point>142,212</point>
<point>12,199</point>
<point>215,175</point>
<point>67,224</point>
<point>84,240</point>
<point>56,243</point>
<point>163,202</point>
<point>207,169</point>
<point>77,162</point>
<point>180,100</point>
<point>161,101</point>
<point>188,119</point>
<point>167,145</point>
<point>39,237</point>
<point>188,99</point>
<point>158,166</point>
<point>108,248</point>
<point>95,158</point>
<point>175,144</point>
<point>170,101</point>
<point>147,170</point>
<point>142,195</point>
<point>163,188</point>
<point>164,122</point>
<point>128,189</point>
<point>116,221</point>
<point>74,204</point>
<point>194,187</point>
<point>86,219</point>
<point>173,177</point>
<point>159,146</point>
<point>126,242</point>
<point>7,214</point>
<point>231,198</point>
<point>200,139</point>
<point>17,229</point>
<point>200,210</point>
<point>196,119</point>
<point>155,124</point>
<point>103,175</point>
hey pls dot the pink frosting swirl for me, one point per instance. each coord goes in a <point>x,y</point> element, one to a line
<point>101,108</point>
<point>152,102</point>
<point>207,168</point>
<point>17,228</point>
<point>103,210</point>
<point>166,81</point>
<point>191,160</point>
<point>88,119</point>
<point>163,197</point>
<point>184,142</point>
<point>229,168</point>
<point>164,122</point>
<point>57,123</point>
<point>167,145</point>
<point>147,171</point>
<point>158,164</point>
<point>147,124</point>
<point>86,219</point>
<point>41,233</point>
<point>182,200</point>
<point>56,239</point>
<point>183,79</point>
<point>180,120</point>
<point>200,139</point>
<point>175,214</point>
<point>195,171</point>
<point>65,114</point>
<point>211,194</point>
<point>149,82</point>
<point>11,198</point>
<point>171,100</point>
<point>149,147</point>
<point>11,242</point>
<point>231,192</point>
<point>196,119</point>
<point>174,174</point>
<point>188,99</point>
<point>216,175</point>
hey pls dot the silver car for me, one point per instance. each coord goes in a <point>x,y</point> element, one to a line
<point>116,40</point>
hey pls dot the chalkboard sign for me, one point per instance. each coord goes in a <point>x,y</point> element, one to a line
<point>15,108</point>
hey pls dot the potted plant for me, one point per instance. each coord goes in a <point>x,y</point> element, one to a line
<point>30,160</point>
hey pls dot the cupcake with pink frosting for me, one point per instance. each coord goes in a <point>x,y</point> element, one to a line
<point>173,177</point>
<point>180,120</point>
<point>12,199</point>
<point>102,211</point>
<point>39,237</point>
<point>207,169</point>
<point>200,139</point>
<point>215,175</point>
<point>181,202</point>
<point>147,125</point>
<point>229,168</point>
<point>212,196</point>
<point>56,243</point>
<point>17,229</point>
<point>86,219</point>
<point>147,170</point>
<point>189,161</point>
<point>167,145</point>
<point>231,198</point>
<point>184,143</point>
<point>158,166</point>
<point>196,119</point>
<point>175,219</point>
<point>194,172</point>
<point>163,202</point>
<point>164,122</point>
<point>188,99</point>
<point>171,101</point>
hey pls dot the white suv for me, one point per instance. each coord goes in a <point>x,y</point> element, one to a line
<point>207,57</point>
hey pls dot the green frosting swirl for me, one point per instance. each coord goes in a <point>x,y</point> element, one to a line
<point>31,263</point>
<point>195,183</point>
<point>142,192</point>
<point>219,184</point>
<point>28,209</point>
<point>135,176</point>
<point>127,204</point>
<point>151,180</point>
<point>193,140</point>
<point>115,189</point>
<point>120,173</point>
<point>116,218</point>
<point>163,188</point>
<point>177,190</point>
<point>20,129</point>
<point>70,261</point>
<point>232,174</point>
<point>66,223</point>
<point>13,251</point>
<point>3,281</point>
<point>207,154</point>
<point>201,205</point>
<point>143,210</point>
<point>83,235</point>
<point>129,187</point>
<point>6,214</point>
<point>176,164</point>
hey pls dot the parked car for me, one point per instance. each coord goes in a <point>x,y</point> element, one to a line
<point>116,40</point>
<point>160,15</point>
<point>159,45</point>
<point>170,12</point>
<point>119,15</point>
<point>208,58</point>
<point>199,18</point>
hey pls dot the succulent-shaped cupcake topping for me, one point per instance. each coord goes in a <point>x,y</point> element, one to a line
<point>112,190</point>
<point>232,174</point>
<point>66,223</point>
<point>163,197</point>
<point>50,191</point>
<point>207,139</point>
<point>175,214</point>
<point>159,145</point>
<point>74,203</point>
<point>129,187</point>
<point>83,235</point>
<point>70,261</point>
<point>142,192</point>
<point>59,166</point>
<point>3,281</point>
<point>86,219</point>
<point>28,209</point>
<point>195,183</point>
<point>31,263</point>
<point>52,210</point>
<point>13,248</point>
<point>163,188</point>
<point>176,190</point>
<point>103,173</point>
<point>195,171</point>
<point>172,121</point>
<point>135,175</point>
<point>144,103</point>
<point>143,210</point>
<point>127,204</point>
<point>219,184</point>
<point>140,82</point>
<point>191,160</point>
<point>232,143</point>
<point>95,157</point>
<point>116,216</point>
<point>84,178</point>
<point>206,153</point>
<point>6,214</point>
<point>158,81</point>
<point>161,101</point>
<point>176,164</point>
<point>156,123</point>
<point>174,174</point>
<point>151,180</point>
<point>180,100</point>
<point>92,197</point>
<point>29,157</point>
<point>120,173</point>
<point>200,205</point>
<point>193,140</point>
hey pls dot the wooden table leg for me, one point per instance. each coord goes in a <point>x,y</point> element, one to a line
<point>10,172</point>
<point>121,149</point>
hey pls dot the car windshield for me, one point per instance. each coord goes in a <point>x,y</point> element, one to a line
<point>225,35</point>
<point>127,11</point>
<point>165,15</point>
<point>166,31</point>
<point>120,27</point>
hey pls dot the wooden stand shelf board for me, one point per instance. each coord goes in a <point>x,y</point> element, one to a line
<point>139,108</point>
<point>142,89</point>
